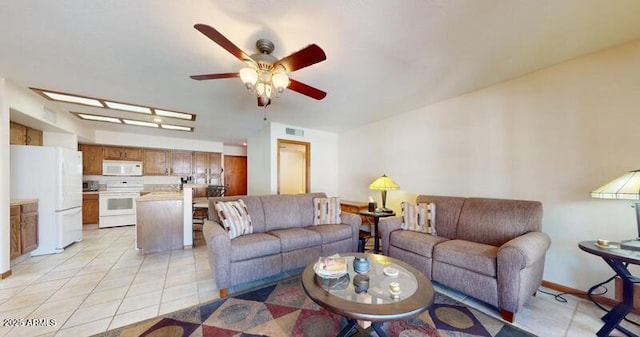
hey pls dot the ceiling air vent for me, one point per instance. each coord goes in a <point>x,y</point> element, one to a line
<point>295,132</point>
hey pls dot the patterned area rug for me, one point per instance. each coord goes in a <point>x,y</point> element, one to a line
<point>283,309</point>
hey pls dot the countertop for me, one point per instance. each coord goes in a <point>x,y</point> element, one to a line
<point>18,202</point>
<point>90,192</point>
<point>159,196</point>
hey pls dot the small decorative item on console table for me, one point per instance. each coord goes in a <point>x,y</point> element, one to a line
<point>617,259</point>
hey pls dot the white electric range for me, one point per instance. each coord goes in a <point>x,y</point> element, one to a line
<point>118,201</point>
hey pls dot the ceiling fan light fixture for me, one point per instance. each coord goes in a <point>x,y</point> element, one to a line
<point>280,82</point>
<point>249,77</point>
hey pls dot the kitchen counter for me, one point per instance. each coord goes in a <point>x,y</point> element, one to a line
<point>91,192</point>
<point>160,196</point>
<point>18,202</point>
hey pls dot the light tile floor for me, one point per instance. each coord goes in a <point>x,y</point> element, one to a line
<point>102,283</point>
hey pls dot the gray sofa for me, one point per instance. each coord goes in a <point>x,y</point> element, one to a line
<point>283,238</point>
<point>490,249</point>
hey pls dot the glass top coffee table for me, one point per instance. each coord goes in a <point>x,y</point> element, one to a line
<point>376,304</point>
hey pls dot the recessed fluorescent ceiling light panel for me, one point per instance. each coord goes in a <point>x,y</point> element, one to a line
<point>101,103</point>
<point>175,127</point>
<point>127,107</point>
<point>140,123</point>
<point>166,113</point>
<point>72,99</point>
<point>100,118</point>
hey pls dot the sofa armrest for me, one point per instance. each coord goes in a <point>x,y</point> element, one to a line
<point>354,221</point>
<point>520,269</point>
<point>219,252</point>
<point>385,227</point>
<point>524,250</point>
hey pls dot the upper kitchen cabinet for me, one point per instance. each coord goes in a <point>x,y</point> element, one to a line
<point>91,159</point>
<point>156,162</point>
<point>181,163</point>
<point>206,163</point>
<point>24,135</point>
<point>206,170</point>
<point>122,153</point>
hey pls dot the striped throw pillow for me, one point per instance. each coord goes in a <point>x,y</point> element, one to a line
<point>326,211</point>
<point>419,218</point>
<point>235,217</point>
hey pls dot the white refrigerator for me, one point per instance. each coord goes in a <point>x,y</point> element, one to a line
<point>53,175</point>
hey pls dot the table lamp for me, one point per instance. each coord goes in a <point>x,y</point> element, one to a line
<point>626,187</point>
<point>384,184</point>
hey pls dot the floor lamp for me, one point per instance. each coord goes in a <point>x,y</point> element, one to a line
<point>626,187</point>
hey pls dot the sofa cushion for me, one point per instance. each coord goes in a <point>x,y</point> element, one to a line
<point>496,221</point>
<point>326,211</point>
<point>469,255</point>
<point>416,242</point>
<point>333,232</point>
<point>419,218</point>
<point>448,209</point>
<point>281,211</point>
<point>254,206</point>
<point>235,217</point>
<point>254,246</point>
<point>296,238</point>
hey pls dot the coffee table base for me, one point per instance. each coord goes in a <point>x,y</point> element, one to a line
<point>351,323</point>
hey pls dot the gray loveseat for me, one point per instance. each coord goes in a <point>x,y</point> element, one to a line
<point>284,238</point>
<point>490,249</point>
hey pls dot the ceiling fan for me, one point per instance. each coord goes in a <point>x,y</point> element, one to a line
<point>264,75</point>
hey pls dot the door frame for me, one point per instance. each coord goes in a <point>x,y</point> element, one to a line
<point>307,161</point>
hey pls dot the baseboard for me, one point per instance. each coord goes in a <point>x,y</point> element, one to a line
<point>603,300</point>
<point>5,274</point>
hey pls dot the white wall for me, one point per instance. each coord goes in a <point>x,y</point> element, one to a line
<point>259,163</point>
<point>232,150</point>
<point>323,170</point>
<point>262,159</point>
<point>138,140</point>
<point>552,136</point>
<point>4,180</point>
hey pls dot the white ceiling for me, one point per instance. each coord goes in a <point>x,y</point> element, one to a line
<point>383,57</point>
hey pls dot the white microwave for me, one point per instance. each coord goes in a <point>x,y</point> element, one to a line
<point>121,168</point>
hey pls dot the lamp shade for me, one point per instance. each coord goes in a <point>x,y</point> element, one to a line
<point>626,187</point>
<point>384,183</point>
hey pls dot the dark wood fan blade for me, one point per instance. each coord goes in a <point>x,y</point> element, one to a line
<point>214,76</point>
<point>312,54</point>
<point>218,38</point>
<point>306,90</point>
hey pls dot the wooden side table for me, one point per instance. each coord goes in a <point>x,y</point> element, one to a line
<point>617,259</point>
<point>355,207</point>
<point>376,218</point>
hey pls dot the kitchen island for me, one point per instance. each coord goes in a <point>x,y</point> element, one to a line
<point>164,220</point>
<point>160,222</point>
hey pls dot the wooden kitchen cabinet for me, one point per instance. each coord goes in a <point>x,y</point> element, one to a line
<point>91,159</point>
<point>205,165</point>
<point>29,227</point>
<point>122,153</point>
<point>24,135</point>
<point>156,162</point>
<point>181,163</point>
<point>24,229</point>
<point>16,246</point>
<point>90,208</point>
